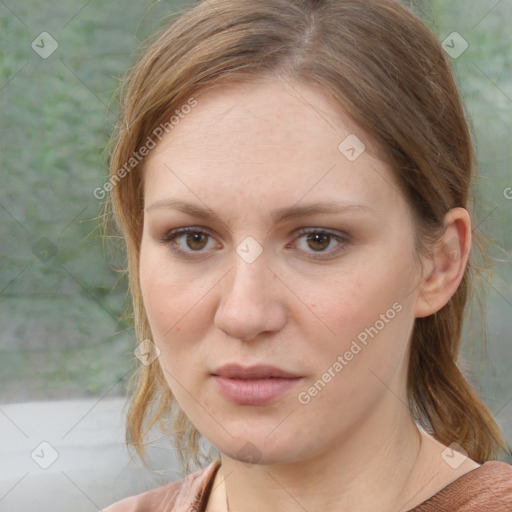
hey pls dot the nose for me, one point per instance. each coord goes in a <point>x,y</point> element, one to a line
<point>252,301</point>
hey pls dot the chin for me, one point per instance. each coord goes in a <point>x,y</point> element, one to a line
<point>258,449</point>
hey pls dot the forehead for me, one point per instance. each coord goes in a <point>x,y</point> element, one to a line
<point>263,114</point>
<point>270,140</point>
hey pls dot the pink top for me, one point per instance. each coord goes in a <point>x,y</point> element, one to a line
<point>487,488</point>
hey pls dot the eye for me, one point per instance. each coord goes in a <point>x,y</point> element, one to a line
<point>320,241</point>
<point>188,240</point>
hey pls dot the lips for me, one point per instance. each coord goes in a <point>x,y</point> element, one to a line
<point>254,385</point>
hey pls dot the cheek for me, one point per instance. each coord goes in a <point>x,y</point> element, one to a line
<point>340,308</point>
<point>155,284</point>
<point>170,294</point>
<point>170,301</point>
<point>351,371</point>
<point>366,313</point>
<point>173,307</point>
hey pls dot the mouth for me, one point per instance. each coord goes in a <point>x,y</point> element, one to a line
<point>261,371</point>
<point>255,385</point>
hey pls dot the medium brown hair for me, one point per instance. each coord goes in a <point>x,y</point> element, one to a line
<point>390,75</point>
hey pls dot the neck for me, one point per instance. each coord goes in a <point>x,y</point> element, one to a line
<point>370,469</point>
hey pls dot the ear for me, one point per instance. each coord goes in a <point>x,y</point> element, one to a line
<point>445,269</point>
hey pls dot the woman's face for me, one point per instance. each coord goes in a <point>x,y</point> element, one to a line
<point>299,255</point>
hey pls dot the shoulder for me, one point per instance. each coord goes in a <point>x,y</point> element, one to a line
<point>496,477</point>
<point>181,494</point>
<point>489,485</point>
<point>493,479</point>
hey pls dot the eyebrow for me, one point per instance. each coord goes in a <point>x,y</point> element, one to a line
<point>279,215</point>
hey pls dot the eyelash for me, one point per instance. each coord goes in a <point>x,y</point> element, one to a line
<point>342,238</point>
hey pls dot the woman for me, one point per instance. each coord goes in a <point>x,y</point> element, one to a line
<point>292,181</point>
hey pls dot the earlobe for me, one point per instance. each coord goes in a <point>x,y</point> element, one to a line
<point>449,257</point>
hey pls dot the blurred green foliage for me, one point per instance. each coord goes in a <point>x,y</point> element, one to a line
<point>63,331</point>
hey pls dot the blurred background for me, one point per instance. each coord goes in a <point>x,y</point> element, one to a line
<point>66,346</point>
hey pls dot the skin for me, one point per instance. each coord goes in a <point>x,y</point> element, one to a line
<point>243,152</point>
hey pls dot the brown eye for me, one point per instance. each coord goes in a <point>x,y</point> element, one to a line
<point>321,243</point>
<point>187,241</point>
<point>318,241</point>
<point>196,240</point>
